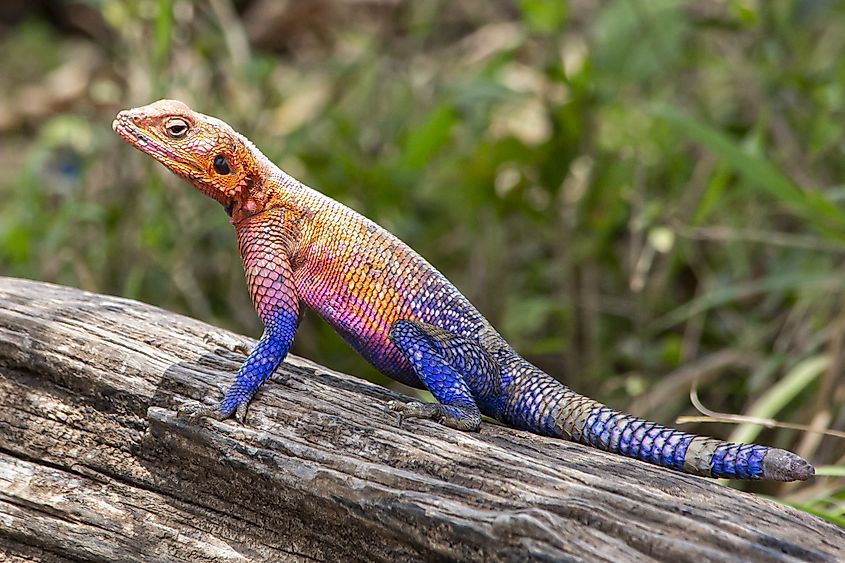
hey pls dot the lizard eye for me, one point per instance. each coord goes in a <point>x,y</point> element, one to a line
<point>176,127</point>
<point>221,166</point>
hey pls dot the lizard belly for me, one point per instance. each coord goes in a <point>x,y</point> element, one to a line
<point>363,318</point>
<point>360,279</point>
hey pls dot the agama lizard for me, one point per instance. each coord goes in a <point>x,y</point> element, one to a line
<point>300,247</point>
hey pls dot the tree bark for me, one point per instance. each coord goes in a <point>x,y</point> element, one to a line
<point>95,465</point>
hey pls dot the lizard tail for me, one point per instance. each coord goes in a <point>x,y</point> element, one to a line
<point>545,406</point>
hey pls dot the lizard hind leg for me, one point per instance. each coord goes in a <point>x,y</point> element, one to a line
<point>435,355</point>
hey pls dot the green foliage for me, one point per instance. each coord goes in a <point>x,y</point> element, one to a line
<point>624,188</point>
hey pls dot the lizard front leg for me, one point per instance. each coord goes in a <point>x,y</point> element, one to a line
<point>270,280</point>
<point>265,357</point>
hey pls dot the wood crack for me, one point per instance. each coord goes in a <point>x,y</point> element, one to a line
<point>89,442</point>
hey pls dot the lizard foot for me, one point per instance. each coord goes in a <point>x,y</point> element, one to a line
<point>228,343</point>
<point>413,409</point>
<point>211,408</point>
<point>194,410</point>
<point>459,418</point>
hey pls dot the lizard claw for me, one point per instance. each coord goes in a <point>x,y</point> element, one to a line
<point>240,413</point>
<point>396,408</point>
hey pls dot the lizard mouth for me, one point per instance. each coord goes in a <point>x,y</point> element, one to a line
<point>127,130</point>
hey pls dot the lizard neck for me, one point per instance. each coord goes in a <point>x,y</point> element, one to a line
<point>251,203</point>
<point>259,191</point>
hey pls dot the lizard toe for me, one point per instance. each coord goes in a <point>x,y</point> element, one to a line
<point>193,410</point>
<point>240,413</point>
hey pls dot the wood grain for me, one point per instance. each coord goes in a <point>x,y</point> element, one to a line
<point>95,465</point>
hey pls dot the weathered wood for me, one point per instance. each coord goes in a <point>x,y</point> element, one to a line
<point>95,465</point>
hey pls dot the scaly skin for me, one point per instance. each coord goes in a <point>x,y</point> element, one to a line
<point>300,247</point>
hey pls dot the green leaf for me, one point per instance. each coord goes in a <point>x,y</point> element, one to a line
<point>426,139</point>
<point>830,470</point>
<point>543,16</point>
<point>758,171</point>
<point>724,295</point>
<point>770,403</point>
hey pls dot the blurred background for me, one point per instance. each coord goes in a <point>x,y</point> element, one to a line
<point>644,197</point>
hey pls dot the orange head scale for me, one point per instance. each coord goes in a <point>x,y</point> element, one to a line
<point>204,150</point>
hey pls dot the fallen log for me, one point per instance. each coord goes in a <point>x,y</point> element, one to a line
<point>95,465</point>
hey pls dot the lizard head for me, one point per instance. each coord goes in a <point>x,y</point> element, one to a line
<point>206,151</point>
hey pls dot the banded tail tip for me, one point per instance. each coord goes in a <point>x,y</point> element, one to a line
<point>781,465</point>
